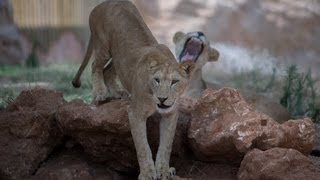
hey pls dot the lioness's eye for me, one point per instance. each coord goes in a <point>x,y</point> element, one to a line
<point>174,82</point>
<point>157,80</point>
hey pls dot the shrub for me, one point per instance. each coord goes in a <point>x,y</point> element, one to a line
<point>299,94</point>
<point>6,97</point>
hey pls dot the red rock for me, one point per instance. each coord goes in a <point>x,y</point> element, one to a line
<point>179,178</point>
<point>103,131</point>
<point>71,165</point>
<point>28,132</point>
<point>277,164</point>
<point>268,106</point>
<point>224,127</point>
<point>188,168</point>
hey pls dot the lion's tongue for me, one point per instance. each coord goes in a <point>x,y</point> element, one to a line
<point>187,57</point>
<point>192,50</point>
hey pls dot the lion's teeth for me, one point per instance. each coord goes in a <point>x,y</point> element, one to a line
<point>196,39</point>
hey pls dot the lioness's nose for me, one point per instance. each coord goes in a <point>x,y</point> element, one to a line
<point>162,100</point>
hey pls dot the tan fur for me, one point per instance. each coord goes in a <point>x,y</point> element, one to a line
<point>196,84</point>
<point>208,54</point>
<point>147,71</point>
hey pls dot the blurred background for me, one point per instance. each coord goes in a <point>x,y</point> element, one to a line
<point>42,42</point>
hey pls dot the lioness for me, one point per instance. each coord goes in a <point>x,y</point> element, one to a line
<point>195,47</point>
<point>148,72</point>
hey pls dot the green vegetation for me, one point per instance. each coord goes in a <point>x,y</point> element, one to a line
<point>254,80</point>
<point>6,97</point>
<point>296,91</point>
<point>299,94</point>
<point>13,79</point>
<point>32,60</point>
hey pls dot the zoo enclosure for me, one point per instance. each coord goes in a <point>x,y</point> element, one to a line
<point>45,20</point>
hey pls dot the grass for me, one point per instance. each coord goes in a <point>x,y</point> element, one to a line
<point>13,79</point>
<point>300,95</point>
<point>255,81</point>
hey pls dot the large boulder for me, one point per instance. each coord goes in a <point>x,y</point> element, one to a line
<point>261,103</point>
<point>71,164</point>
<point>28,132</point>
<point>317,145</point>
<point>104,133</point>
<point>191,169</point>
<point>267,105</point>
<point>224,127</point>
<point>277,164</point>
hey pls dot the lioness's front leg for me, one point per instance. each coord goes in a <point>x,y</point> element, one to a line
<point>168,125</point>
<point>139,134</point>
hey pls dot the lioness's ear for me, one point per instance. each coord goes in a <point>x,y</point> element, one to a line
<point>213,54</point>
<point>187,67</point>
<point>177,36</point>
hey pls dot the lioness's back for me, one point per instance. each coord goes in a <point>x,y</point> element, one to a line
<point>122,20</point>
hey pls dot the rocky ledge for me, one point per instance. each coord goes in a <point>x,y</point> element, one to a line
<point>42,136</point>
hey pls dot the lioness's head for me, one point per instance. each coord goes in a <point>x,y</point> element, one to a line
<point>194,46</point>
<point>167,81</point>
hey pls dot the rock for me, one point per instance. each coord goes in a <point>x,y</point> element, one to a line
<point>261,103</point>
<point>28,132</point>
<point>70,165</point>
<point>224,127</point>
<point>188,168</point>
<point>268,106</point>
<point>315,160</point>
<point>104,132</point>
<point>277,163</point>
<point>179,178</point>
<point>317,145</point>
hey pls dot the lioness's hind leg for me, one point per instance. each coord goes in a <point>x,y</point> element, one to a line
<point>99,89</point>
<point>111,79</point>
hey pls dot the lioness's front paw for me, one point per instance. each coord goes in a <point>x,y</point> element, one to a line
<point>164,171</point>
<point>148,173</point>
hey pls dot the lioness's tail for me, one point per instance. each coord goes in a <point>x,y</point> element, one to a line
<point>76,80</point>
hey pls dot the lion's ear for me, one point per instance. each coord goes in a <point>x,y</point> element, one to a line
<point>213,55</point>
<point>177,36</point>
<point>187,67</point>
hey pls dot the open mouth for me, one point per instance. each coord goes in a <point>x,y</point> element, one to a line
<point>192,50</point>
<point>163,106</point>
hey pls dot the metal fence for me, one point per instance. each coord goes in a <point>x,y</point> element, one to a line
<point>45,20</point>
